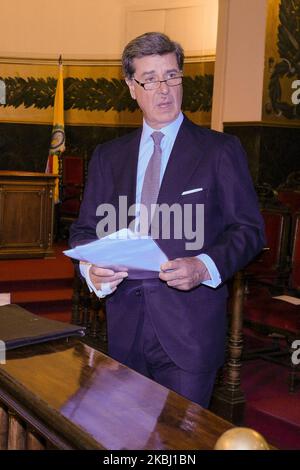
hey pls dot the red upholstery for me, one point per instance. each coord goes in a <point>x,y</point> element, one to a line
<point>277,315</point>
<point>262,309</point>
<point>272,259</point>
<point>73,180</point>
<point>295,274</point>
<point>290,198</point>
<point>274,224</point>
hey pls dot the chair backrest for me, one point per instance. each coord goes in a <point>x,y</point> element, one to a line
<point>72,183</point>
<point>73,169</point>
<point>295,259</point>
<point>290,198</point>
<point>277,223</point>
<point>288,193</point>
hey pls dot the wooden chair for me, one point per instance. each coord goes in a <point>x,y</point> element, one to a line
<point>72,176</point>
<point>288,193</point>
<point>273,316</point>
<point>271,265</point>
<point>89,311</point>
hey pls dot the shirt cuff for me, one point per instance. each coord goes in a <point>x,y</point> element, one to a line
<point>85,272</point>
<point>215,278</point>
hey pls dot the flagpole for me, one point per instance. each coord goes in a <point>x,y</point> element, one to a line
<point>57,145</point>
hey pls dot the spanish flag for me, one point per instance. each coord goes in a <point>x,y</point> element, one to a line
<point>57,145</point>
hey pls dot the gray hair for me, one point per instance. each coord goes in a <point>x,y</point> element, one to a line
<point>149,44</point>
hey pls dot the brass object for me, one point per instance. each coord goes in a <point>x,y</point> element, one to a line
<point>241,439</point>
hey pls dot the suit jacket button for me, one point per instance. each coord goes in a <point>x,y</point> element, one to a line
<point>138,292</point>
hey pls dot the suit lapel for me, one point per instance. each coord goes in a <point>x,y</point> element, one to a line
<point>125,169</point>
<point>183,161</point>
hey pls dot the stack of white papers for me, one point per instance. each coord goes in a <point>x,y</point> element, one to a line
<point>123,251</point>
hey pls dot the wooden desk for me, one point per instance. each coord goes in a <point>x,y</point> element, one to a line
<point>26,214</point>
<point>67,395</point>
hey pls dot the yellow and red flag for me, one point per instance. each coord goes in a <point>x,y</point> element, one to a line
<point>57,145</point>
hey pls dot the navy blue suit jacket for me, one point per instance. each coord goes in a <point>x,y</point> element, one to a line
<point>191,325</point>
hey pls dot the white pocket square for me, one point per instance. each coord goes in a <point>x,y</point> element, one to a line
<point>196,190</point>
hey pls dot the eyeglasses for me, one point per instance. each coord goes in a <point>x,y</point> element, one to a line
<point>173,81</point>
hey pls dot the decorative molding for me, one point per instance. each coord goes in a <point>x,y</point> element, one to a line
<point>282,61</point>
<point>54,61</point>
<point>189,59</point>
<point>98,94</point>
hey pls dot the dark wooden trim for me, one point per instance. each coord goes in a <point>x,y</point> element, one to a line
<point>47,422</point>
<point>228,400</point>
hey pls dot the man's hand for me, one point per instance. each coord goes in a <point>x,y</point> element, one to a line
<point>184,273</point>
<point>100,276</point>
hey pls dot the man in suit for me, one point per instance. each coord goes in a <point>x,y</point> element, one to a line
<point>171,327</point>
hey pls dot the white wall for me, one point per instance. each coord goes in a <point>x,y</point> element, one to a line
<point>239,67</point>
<point>99,29</point>
<point>193,23</point>
<point>75,28</point>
